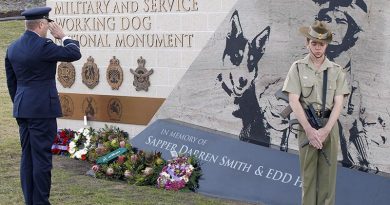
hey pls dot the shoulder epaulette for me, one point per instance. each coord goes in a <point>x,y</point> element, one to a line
<point>300,61</point>
<point>336,65</point>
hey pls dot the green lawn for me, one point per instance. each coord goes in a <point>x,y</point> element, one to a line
<point>69,184</point>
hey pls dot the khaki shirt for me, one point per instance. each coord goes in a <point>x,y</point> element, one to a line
<point>307,82</point>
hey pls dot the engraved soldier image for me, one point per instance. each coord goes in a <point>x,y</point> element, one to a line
<point>90,73</point>
<point>89,107</point>
<point>114,109</point>
<point>66,74</point>
<point>114,74</point>
<point>141,75</point>
<point>67,106</point>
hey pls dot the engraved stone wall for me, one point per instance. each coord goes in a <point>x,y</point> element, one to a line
<point>167,34</point>
<point>230,86</point>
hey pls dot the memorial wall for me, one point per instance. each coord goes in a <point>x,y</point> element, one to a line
<point>218,63</point>
<point>230,86</point>
<point>134,53</point>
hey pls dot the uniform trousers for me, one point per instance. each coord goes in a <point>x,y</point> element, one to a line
<point>319,179</point>
<point>36,138</point>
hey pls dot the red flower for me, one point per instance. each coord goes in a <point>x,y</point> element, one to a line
<point>55,151</point>
<point>62,134</point>
<point>83,157</point>
<point>121,159</point>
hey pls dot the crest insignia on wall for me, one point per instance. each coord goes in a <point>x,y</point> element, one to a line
<point>114,74</point>
<point>114,109</point>
<point>89,107</point>
<point>66,74</point>
<point>90,73</point>
<point>141,75</point>
<point>67,105</point>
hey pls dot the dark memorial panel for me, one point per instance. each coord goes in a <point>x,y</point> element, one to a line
<point>248,172</point>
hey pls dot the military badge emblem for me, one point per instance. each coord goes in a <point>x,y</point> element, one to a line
<point>141,75</point>
<point>90,73</point>
<point>114,109</point>
<point>89,107</point>
<point>66,74</point>
<point>114,74</point>
<point>67,106</point>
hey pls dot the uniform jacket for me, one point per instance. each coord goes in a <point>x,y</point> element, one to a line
<point>30,65</point>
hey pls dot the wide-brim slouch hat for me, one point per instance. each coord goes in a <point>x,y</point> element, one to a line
<point>318,31</point>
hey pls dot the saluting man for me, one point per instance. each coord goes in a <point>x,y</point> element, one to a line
<point>30,65</point>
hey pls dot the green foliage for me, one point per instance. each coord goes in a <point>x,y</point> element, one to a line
<point>193,182</point>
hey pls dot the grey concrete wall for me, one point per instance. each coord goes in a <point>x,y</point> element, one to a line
<point>213,93</point>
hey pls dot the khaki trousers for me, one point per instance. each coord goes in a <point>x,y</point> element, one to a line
<point>319,179</point>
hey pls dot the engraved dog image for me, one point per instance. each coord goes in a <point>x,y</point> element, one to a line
<point>242,56</point>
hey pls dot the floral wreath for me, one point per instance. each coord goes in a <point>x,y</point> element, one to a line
<point>81,143</point>
<point>176,174</point>
<point>61,141</point>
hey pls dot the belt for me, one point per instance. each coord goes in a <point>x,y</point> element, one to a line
<point>326,113</point>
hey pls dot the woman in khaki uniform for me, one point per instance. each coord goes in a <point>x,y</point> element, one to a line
<point>304,84</point>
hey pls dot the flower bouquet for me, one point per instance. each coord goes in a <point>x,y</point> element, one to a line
<point>81,143</point>
<point>181,172</point>
<point>61,141</point>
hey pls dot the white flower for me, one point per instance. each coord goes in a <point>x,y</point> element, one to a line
<point>72,144</point>
<point>165,175</point>
<point>72,150</point>
<point>86,132</point>
<point>185,178</point>
<point>76,137</point>
<point>78,155</point>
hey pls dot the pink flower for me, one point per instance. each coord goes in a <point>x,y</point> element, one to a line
<point>95,168</point>
<point>122,144</point>
<point>128,174</point>
<point>134,158</point>
<point>111,137</point>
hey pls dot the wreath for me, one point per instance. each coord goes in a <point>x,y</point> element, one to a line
<point>179,173</point>
<point>107,140</point>
<point>61,141</point>
<point>81,143</point>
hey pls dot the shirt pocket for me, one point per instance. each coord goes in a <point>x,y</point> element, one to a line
<point>307,83</point>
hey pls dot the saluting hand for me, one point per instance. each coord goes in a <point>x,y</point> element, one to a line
<point>56,30</point>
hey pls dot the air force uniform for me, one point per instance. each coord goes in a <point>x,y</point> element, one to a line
<point>30,65</point>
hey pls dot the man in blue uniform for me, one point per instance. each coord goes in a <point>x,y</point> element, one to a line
<point>30,65</point>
